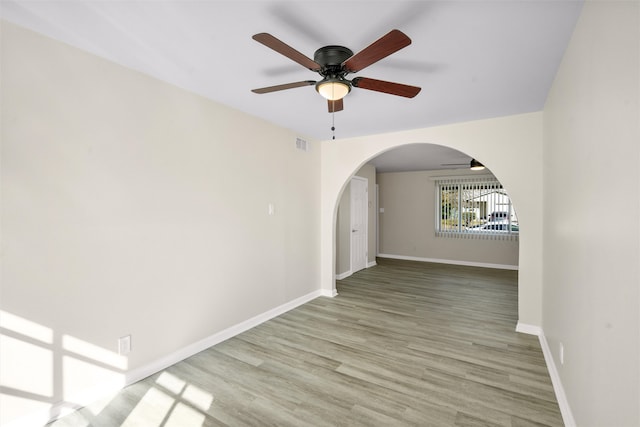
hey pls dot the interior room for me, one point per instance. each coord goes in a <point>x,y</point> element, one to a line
<point>171,182</point>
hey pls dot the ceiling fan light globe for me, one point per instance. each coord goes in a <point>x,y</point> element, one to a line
<point>333,89</point>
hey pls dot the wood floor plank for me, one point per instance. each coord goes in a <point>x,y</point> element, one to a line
<point>403,343</point>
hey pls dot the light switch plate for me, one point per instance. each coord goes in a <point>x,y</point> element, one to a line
<point>124,345</point>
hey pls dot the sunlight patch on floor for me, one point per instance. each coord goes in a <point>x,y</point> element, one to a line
<point>187,392</point>
<point>171,382</point>
<point>171,403</point>
<point>99,405</point>
<point>185,416</point>
<point>198,397</point>
<point>151,410</point>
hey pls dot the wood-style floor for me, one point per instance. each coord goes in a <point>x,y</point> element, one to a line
<point>404,343</point>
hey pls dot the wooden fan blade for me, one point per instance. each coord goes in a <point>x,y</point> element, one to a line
<point>283,87</point>
<point>386,87</point>
<point>336,105</point>
<point>284,49</point>
<point>381,48</point>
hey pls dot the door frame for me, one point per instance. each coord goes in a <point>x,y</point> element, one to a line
<point>366,222</point>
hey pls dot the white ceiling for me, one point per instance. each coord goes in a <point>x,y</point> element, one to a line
<point>473,59</point>
<point>416,157</point>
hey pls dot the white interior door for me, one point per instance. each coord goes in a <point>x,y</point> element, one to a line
<point>359,223</point>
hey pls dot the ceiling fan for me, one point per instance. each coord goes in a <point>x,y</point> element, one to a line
<point>474,165</point>
<point>334,63</point>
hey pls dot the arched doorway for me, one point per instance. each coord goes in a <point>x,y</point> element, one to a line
<point>420,186</point>
<point>501,143</point>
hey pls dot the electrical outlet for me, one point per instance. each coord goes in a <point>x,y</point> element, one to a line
<point>271,209</point>
<point>561,354</point>
<point>124,345</point>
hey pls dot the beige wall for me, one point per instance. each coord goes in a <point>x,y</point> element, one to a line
<point>591,216</point>
<point>407,226</point>
<point>130,206</point>
<point>343,223</point>
<point>502,144</point>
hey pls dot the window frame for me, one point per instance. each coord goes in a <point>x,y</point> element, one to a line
<point>461,184</point>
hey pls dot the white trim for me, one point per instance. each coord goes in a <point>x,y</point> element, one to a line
<point>330,294</point>
<point>376,218</point>
<point>344,275</point>
<point>451,261</point>
<point>529,329</point>
<point>561,397</point>
<point>92,394</point>
<point>366,219</point>
<point>348,273</point>
<point>563,403</point>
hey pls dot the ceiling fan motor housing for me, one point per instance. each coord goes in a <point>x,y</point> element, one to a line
<point>331,59</point>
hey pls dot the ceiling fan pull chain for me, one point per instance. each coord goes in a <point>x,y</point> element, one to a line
<point>333,124</point>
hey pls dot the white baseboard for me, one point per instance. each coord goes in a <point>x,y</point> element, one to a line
<point>561,397</point>
<point>348,273</point>
<point>332,293</point>
<point>102,390</point>
<point>451,261</point>
<point>175,357</point>
<point>563,403</point>
<point>529,329</point>
<point>344,275</point>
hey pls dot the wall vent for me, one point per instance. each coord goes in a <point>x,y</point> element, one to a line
<point>301,144</point>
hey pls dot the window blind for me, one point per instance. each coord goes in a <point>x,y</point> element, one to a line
<point>474,209</point>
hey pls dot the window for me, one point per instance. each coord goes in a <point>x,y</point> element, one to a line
<point>474,208</point>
